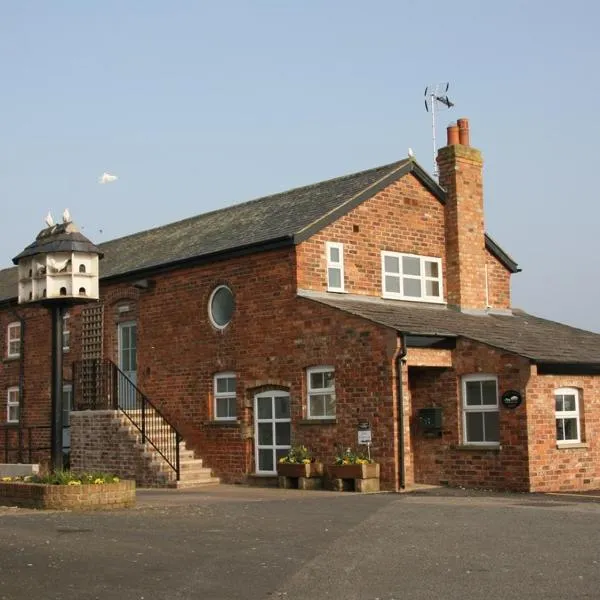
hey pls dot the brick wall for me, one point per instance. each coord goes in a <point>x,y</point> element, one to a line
<point>445,458</point>
<point>554,468</point>
<point>498,278</point>
<point>404,217</point>
<point>103,441</point>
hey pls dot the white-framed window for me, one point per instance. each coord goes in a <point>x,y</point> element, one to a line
<point>13,340</point>
<point>411,277</point>
<point>66,333</point>
<point>12,405</point>
<point>568,430</point>
<point>225,397</point>
<point>321,392</point>
<point>335,266</point>
<point>481,419</point>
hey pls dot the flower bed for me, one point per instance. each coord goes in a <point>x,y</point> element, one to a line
<point>67,491</point>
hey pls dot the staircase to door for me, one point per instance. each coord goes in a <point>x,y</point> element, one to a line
<point>99,384</point>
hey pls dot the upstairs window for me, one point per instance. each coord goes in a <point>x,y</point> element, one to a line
<point>411,277</point>
<point>335,266</point>
<point>12,405</point>
<point>321,392</point>
<point>568,430</point>
<point>225,397</point>
<point>481,420</point>
<point>13,337</point>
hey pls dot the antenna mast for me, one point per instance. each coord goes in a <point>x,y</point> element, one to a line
<point>436,98</point>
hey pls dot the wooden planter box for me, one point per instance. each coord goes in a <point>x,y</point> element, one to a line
<point>301,470</point>
<point>367,471</point>
<point>60,497</point>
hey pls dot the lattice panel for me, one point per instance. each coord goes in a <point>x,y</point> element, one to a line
<point>92,331</point>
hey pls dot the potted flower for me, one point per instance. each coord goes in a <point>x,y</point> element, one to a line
<point>350,464</point>
<point>299,462</point>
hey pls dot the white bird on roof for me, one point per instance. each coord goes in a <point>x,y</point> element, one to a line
<point>411,154</point>
<point>107,178</point>
<point>49,220</point>
<point>66,216</point>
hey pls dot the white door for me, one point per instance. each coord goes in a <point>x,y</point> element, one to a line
<point>272,430</point>
<point>128,350</point>
<point>128,364</point>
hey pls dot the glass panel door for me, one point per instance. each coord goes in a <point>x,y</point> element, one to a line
<point>127,363</point>
<point>273,430</point>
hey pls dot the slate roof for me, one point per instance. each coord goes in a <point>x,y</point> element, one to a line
<point>282,219</point>
<point>537,339</point>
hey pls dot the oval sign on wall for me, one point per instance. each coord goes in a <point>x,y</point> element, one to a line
<point>511,399</point>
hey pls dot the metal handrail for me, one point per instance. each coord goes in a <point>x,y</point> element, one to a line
<point>99,384</point>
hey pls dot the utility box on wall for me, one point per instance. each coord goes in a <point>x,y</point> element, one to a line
<point>430,419</point>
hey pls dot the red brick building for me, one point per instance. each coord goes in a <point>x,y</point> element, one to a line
<point>289,319</point>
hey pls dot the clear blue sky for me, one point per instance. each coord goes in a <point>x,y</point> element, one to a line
<point>197,105</point>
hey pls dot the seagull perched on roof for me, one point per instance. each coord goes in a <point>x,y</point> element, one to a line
<point>411,154</point>
<point>66,216</point>
<point>107,178</point>
<point>49,220</point>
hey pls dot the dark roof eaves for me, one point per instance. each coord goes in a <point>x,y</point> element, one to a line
<point>263,246</point>
<point>410,166</point>
<point>504,258</point>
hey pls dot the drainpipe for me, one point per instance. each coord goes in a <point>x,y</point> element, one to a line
<point>21,320</point>
<point>400,354</point>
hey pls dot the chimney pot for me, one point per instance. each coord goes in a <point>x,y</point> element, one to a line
<point>453,137</point>
<point>463,132</point>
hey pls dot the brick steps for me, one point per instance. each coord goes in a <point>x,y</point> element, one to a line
<point>192,472</point>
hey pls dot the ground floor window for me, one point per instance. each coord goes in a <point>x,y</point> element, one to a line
<point>321,393</point>
<point>12,405</point>
<point>566,402</point>
<point>225,396</point>
<point>481,422</point>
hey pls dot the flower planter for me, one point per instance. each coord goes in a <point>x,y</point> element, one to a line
<point>365,471</point>
<point>300,476</point>
<point>61,497</point>
<point>300,470</point>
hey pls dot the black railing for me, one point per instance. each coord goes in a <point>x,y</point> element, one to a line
<point>26,444</point>
<point>100,385</point>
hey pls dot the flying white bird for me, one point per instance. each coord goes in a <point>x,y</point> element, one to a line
<point>66,216</point>
<point>49,220</point>
<point>107,178</point>
<point>411,154</point>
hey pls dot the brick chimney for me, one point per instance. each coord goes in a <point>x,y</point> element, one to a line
<point>461,169</point>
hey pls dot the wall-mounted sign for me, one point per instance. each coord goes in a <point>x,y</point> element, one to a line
<point>511,399</point>
<point>364,433</point>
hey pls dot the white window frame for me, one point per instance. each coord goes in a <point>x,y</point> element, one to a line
<point>331,264</point>
<point>227,395</point>
<point>66,333</point>
<point>310,392</point>
<point>12,401</point>
<point>479,408</point>
<point>12,341</point>
<point>569,414</point>
<point>422,277</point>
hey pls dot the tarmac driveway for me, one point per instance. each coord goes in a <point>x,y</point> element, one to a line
<point>231,542</point>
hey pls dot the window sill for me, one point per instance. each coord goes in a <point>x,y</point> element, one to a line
<point>9,425</point>
<point>9,359</point>
<point>477,447</point>
<point>223,423</point>
<point>317,422</point>
<point>573,446</point>
<point>334,291</point>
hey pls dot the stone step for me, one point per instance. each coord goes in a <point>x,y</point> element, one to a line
<point>194,483</point>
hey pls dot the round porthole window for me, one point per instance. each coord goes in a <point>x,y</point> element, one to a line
<point>220,306</point>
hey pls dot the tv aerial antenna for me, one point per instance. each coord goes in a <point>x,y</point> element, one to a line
<point>436,98</point>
